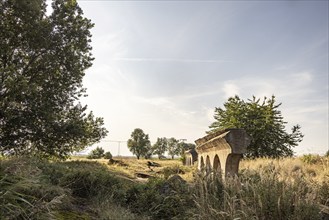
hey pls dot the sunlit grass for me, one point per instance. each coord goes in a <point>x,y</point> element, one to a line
<point>293,188</point>
<point>129,166</point>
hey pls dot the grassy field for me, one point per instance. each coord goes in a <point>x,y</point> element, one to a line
<point>129,167</point>
<point>291,188</point>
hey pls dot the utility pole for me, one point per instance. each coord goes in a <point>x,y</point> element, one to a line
<point>119,144</point>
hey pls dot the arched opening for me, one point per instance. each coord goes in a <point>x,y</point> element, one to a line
<point>217,166</point>
<point>232,164</point>
<point>208,165</point>
<point>201,163</point>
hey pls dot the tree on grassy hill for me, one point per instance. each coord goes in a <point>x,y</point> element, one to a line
<point>173,147</point>
<point>160,147</point>
<point>43,59</point>
<point>139,143</point>
<point>263,121</point>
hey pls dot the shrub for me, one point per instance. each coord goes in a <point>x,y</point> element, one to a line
<point>25,193</point>
<point>96,153</point>
<point>108,155</point>
<point>160,199</point>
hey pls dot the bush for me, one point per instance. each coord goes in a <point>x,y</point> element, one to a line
<point>108,155</point>
<point>26,192</point>
<point>160,199</point>
<point>96,153</point>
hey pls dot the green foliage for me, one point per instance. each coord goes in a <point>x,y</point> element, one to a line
<point>42,63</point>
<point>160,147</point>
<point>96,153</point>
<point>263,122</point>
<point>139,144</point>
<point>160,199</point>
<point>37,189</point>
<point>173,147</point>
<point>25,193</point>
<point>108,155</point>
<point>86,183</point>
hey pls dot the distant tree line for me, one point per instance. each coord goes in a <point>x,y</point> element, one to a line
<point>140,145</point>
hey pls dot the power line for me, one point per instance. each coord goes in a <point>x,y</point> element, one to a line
<point>119,143</point>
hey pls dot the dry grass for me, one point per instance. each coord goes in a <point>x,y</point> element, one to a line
<point>129,166</point>
<point>315,172</point>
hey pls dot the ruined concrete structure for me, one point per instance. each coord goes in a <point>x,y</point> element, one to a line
<point>221,151</point>
<point>191,156</point>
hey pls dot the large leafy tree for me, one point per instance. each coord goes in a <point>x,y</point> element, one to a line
<point>43,59</point>
<point>263,121</point>
<point>139,144</point>
<point>160,147</point>
<point>173,147</point>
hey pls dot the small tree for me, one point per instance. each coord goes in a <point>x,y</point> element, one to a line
<point>263,121</point>
<point>108,155</point>
<point>149,151</point>
<point>173,147</point>
<point>139,143</point>
<point>96,153</point>
<point>160,146</point>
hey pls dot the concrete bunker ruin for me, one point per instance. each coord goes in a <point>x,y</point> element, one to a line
<point>191,156</point>
<point>221,151</point>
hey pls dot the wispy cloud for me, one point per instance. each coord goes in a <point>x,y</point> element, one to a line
<point>170,60</point>
<point>230,89</point>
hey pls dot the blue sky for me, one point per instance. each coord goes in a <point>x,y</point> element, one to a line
<point>164,66</point>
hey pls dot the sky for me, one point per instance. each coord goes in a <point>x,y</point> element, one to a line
<point>163,66</point>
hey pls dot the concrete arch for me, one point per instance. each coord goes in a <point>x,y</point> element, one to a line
<point>232,164</point>
<point>208,164</point>
<point>201,163</point>
<point>217,166</point>
<point>221,151</point>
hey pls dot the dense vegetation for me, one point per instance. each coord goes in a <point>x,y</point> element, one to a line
<point>43,58</point>
<point>266,189</point>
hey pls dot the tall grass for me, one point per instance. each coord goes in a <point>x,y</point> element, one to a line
<point>25,193</point>
<point>267,191</point>
<point>38,189</point>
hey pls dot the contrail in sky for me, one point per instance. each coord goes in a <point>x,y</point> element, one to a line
<point>171,60</point>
